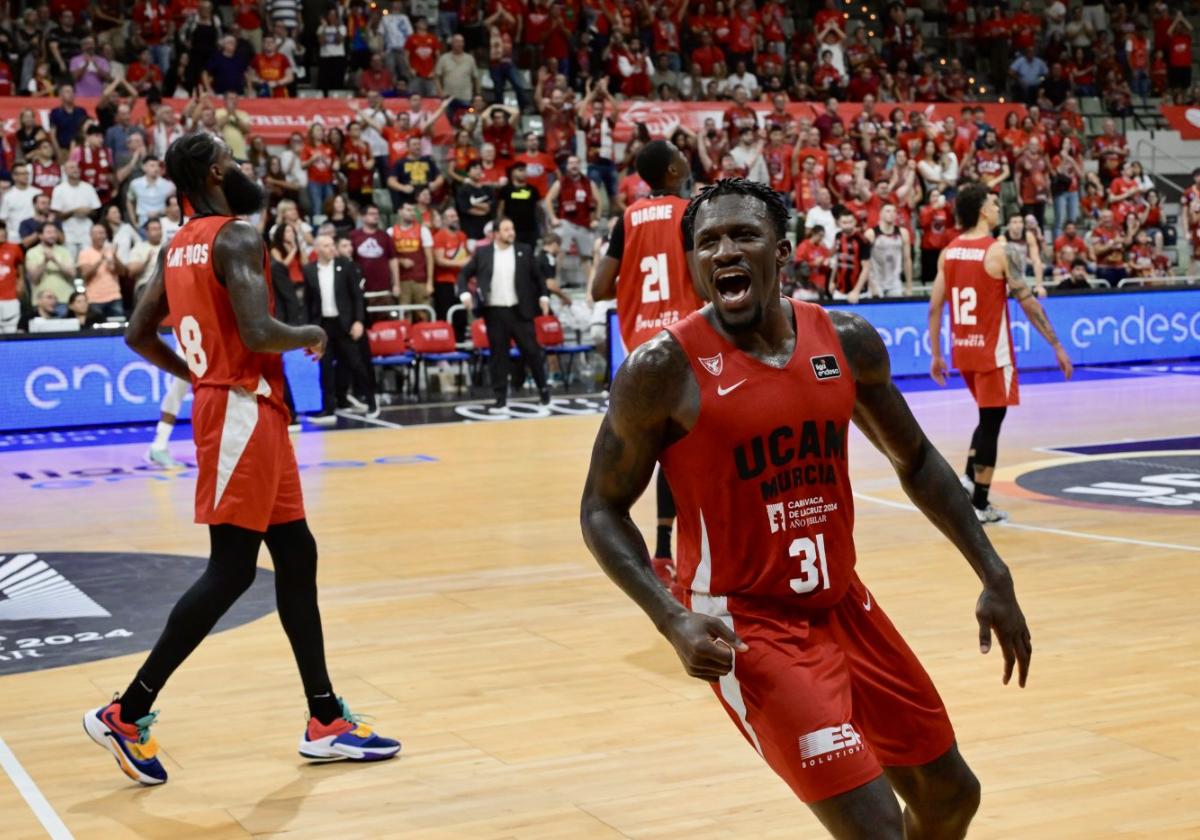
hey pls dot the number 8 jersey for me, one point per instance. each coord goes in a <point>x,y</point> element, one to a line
<point>654,288</point>
<point>980,335</point>
<point>203,316</point>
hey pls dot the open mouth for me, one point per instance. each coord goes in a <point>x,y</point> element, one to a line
<point>733,285</point>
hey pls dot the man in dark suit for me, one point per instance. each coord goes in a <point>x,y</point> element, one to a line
<point>512,292</point>
<point>335,302</point>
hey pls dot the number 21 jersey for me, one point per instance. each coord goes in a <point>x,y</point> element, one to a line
<point>203,316</point>
<point>654,288</point>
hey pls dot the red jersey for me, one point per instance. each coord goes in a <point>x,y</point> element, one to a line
<point>981,338</point>
<point>203,318</point>
<point>575,200</point>
<point>358,165</point>
<point>779,166</point>
<point>849,253</point>
<point>407,241</point>
<point>937,227</point>
<point>538,166</point>
<point>46,177</point>
<point>762,481</point>
<point>500,136</point>
<point>321,172</point>
<point>632,187</point>
<point>450,244</point>
<point>654,287</point>
<point>990,163</point>
<point>12,257</point>
<point>422,53</point>
<point>96,167</point>
<point>272,68</point>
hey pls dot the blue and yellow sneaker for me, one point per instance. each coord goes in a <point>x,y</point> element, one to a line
<point>347,738</point>
<point>131,744</point>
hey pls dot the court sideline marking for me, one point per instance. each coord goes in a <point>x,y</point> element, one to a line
<point>1040,529</point>
<point>32,795</point>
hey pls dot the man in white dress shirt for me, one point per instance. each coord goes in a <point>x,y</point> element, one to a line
<point>512,292</point>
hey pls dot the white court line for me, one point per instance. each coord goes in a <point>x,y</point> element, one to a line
<point>1083,535</point>
<point>362,418</point>
<point>28,789</point>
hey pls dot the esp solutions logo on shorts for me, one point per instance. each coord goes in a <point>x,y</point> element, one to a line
<point>829,744</point>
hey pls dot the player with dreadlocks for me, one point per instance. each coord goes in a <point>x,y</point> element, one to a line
<point>747,405</point>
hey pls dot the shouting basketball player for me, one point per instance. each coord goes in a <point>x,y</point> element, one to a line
<point>976,271</point>
<point>798,650</point>
<point>212,283</point>
<point>646,269</point>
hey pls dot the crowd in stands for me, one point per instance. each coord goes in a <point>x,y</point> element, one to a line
<point>528,96</point>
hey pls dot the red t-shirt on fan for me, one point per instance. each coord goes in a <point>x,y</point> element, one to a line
<point>203,319</point>
<point>981,337</point>
<point>654,287</point>
<point>762,480</point>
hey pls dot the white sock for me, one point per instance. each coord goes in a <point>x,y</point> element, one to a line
<point>162,433</point>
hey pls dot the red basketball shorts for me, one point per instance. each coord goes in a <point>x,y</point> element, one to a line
<point>829,697</point>
<point>994,388</point>
<point>247,469</point>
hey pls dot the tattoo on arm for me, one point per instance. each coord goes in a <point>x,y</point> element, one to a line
<point>1024,296</point>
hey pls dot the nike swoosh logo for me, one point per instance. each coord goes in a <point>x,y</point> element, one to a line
<point>867,605</point>
<point>722,391</point>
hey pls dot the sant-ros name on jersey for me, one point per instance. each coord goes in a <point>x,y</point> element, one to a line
<point>86,380</point>
<point>1096,328</point>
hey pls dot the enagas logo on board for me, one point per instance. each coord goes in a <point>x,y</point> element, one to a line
<point>1141,481</point>
<point>59,608</point>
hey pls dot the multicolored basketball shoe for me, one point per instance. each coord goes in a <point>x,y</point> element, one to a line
<point>131,744</point>
<point>347,738</point>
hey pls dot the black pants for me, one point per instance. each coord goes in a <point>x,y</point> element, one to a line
<point>504,323</point>
<point>331,74</point>
<point>345,352</point>
<point>445,297</point>
<point>1037,210</point>
<point>929,262</point>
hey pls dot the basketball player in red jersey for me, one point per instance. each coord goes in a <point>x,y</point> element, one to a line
<point>975,272</point>
<point>646,269</point>
<point>747,404</point>
<point>212,283</point>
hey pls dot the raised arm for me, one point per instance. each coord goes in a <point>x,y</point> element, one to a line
<point>648,392</point>
<point>142,332</point>
<point>238,261</point>
<point>881,413</point>
<point>999,263</point>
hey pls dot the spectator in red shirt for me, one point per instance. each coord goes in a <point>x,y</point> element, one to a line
<point>270,72</point>
<point>937,230</point>
<point>423,49</point>
<point>156,29</point>
<point>498,129</point>
<point>1179,53</point>
<point>1111,150</point>
<point>811,263</point>
<point>539,166</point>
<point>144,74</point>
<point>376,77</point>
<point>707,56</point>
<point>1069,239</point>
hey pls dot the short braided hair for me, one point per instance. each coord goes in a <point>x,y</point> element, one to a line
<point>776,209</point>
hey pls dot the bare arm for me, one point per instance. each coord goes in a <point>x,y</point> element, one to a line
<point>649,391</point>
<point>998,263</point>
<point>604,279</point>
<point>908,265</point>
<point>937,299</point>
<point>881,413</point>
<point>238,262</point>
<point>142,333</point>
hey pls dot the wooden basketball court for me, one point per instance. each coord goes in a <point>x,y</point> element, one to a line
<point>535,701</point>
